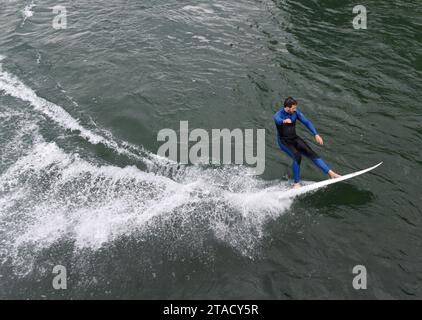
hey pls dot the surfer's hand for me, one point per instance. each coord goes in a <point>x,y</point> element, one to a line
<point>287,121</point>
<point>319,140</point>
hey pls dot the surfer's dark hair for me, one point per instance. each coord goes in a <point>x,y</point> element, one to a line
<point>289,102</point>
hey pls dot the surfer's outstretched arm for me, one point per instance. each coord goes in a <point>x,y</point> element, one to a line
<point>308,124</point>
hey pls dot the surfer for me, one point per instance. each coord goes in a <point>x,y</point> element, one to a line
<point>292,144</point>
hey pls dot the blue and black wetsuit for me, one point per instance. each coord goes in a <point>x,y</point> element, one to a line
<point>292,144</point>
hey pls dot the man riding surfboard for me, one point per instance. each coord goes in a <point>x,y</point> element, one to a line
<point>292,144</point>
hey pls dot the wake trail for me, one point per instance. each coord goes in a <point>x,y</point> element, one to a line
<point>49,195</point>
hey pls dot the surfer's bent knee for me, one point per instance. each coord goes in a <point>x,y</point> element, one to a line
<point>297,157</point>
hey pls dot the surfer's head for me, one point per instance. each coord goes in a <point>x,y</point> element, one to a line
<point>290,105</point>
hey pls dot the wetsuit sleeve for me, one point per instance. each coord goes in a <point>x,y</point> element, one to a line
<point>306,122</point>
<point>278,117</point>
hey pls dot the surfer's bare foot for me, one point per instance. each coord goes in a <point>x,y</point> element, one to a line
<point>296,185</point>
<point>333,175</point>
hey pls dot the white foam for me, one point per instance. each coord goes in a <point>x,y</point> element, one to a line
<point>27,131</point>
<point>55,196</point>
<point>27,11</point>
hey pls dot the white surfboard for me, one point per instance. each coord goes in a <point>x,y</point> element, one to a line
<point>313,186</point>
